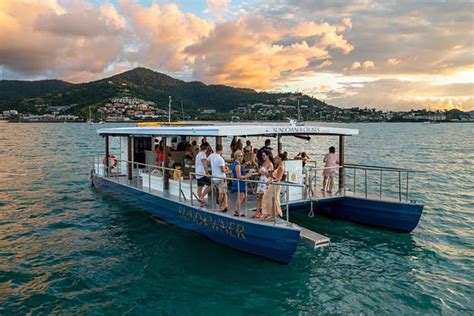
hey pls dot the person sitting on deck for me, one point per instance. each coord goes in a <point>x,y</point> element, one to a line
<point>176,171</point>
<point>218,173</point>
<point>271,197</point>
<point>238,172</point>
<point>260,151</point>
<point>331,161</point>
<point>201,165</point>
<point>302,156</point>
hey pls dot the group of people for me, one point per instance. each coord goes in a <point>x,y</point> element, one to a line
<point>270,170</point>
<point>247,162</point>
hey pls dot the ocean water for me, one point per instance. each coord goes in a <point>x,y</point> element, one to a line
<point>66,248</point>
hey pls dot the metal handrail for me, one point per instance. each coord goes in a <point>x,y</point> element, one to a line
<point>371,167</point>
<point>381,169</point>
<point>250,181</point>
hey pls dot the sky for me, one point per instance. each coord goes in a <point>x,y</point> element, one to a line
<point>384,54</point>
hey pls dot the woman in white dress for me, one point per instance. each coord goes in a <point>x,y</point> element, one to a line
<point>265,173</point>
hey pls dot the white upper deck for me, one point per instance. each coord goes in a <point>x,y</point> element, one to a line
<point>227,130</point>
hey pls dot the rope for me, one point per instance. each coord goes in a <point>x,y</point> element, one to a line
<point>311,212</point>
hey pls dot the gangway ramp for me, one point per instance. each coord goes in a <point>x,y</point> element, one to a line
<point>315,239</point>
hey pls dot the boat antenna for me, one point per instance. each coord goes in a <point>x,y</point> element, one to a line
<point>299,113</point>
<point>182,110</point>
<point>169,111</point>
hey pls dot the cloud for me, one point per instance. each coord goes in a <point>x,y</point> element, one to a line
<point>254,52</point>
<point>392,61</point>
<point>366,65</point>
<point>263,45</point>
<point>217,8</point>
<point>388,94</point>
<point>356,65</point>
<point>160,34</point>
<point>47,38</point>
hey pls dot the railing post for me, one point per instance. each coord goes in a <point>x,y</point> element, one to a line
<point>365,183</point>
<point>246,200</point>
<point>149,181</point>
<point>191,188</point>
<point>179,184</point>
<point>287,203</point>
<point>274,205</point>
<point>315,192</point>
<point>354,181</point>
<point>164,179</point>
<point>212,195</point>
<point>399,186</point>
<point>238,196</point>
<point>381,177</point>
<point>407,184</point>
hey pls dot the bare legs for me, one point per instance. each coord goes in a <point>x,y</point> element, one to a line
<point>328,184</point>
<point>202,194</point>
<point>258,214</point>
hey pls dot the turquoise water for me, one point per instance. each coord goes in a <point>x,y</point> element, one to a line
<point>66,248</point>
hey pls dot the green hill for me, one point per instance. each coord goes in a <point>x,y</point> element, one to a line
<point>141,83</point>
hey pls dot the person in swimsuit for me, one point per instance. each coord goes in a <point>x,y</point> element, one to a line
<point>330,161</point>
<point>265,173</point>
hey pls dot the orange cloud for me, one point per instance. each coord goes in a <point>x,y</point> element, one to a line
<point>161,33</point>
<point>249,51</point>
<point>393,61</point>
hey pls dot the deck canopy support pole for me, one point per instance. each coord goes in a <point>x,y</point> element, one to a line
<point>166,163</point>
<point>218,140</point>
<point>129,158</point>
<point>279,144</point>
<point>341,162</point>
<point>107,154</point>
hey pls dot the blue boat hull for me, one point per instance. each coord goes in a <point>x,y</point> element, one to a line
<point>399,216</point>
<point>263,239</point>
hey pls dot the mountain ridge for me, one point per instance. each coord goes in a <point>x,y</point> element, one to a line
<point>139,82</point>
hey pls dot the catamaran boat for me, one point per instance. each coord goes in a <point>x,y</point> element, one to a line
<point>128,172</point>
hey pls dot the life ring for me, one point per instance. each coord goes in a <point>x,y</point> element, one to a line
<point>113,162</point>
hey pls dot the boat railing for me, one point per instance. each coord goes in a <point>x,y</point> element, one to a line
<point>372,175</point>
<point>376,173</point>
<point>229,180</point>
<point>151,173</point>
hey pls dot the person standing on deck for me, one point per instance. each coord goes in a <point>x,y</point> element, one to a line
<point>271,197</point>
<point>203,180</point>
<point>331,161</point>
<point>260,151</point>
<point>265,173</point>
<point>195,148</point>
<point>218,169</point>
<point>159,153</point>
<point>238,172</point>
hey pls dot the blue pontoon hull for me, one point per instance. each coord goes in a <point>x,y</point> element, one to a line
<point>393,215</point>
<point>263,239</point>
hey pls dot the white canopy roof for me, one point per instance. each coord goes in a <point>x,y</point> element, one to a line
<point>227,130</point>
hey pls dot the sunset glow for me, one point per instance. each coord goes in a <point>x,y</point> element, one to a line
<point>374,53</point>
